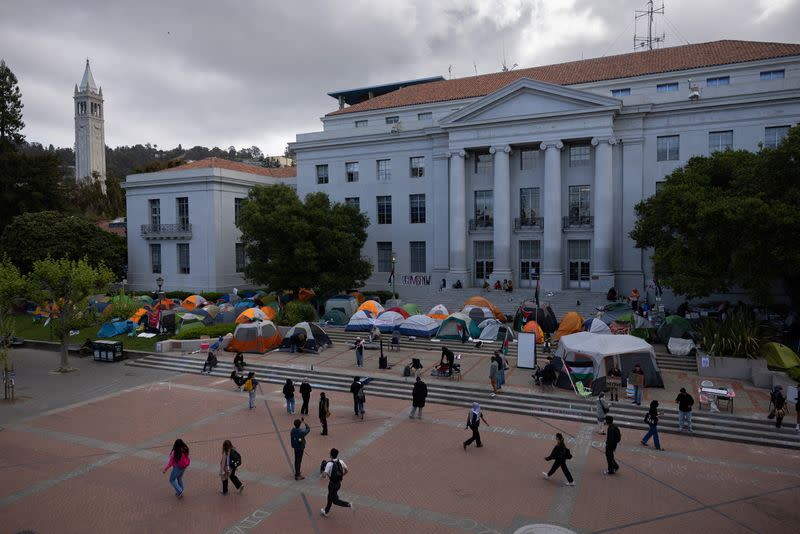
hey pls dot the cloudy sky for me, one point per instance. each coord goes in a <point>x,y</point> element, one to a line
<point>256,72</point>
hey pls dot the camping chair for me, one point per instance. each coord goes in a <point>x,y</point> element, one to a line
<point>582,391</point>
<point>395,344</point>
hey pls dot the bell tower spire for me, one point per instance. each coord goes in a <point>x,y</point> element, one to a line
<point>90,142</point>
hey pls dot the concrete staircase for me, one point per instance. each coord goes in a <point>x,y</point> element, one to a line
<point>630,418</point>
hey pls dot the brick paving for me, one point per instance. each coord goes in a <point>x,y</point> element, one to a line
<point>96,467</point>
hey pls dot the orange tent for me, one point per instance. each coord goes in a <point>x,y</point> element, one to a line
<point>439,312</point>
<point>371,306</point>
<point>534,328</point>
<point>165,304</point>
<point>305,294</point>
<point>193,301</point>
<point>258,337</point>
<point>268,311</point>
<point>484,303</point>
<point>250,315</point>
<point>359,297</point>
<point>571,323</point>
<point>136,317</point>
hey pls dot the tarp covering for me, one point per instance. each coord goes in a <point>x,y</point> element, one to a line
<point>389,320</point>
<point>483,302</point>
<point>613,312</point>
<point>251,314</point>
<point>115,328</point>
<point>193,301</point>
<point>533,327</point>
<point>458,326</point>
<point>335,316</point>
<point>779,356</point>
<point>588,356</point>
<point>372,306</point>
<point>137,316</point>
<point>674,326</point>
<point>419,326</point>
<point>571,323</point>
<point>309,337</point>
<point>439,312</point>
<point>258,337</point>
<point>680,347</point>
<point>347,304</point>
<point>361,321</point>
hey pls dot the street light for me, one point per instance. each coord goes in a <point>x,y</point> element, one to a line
<point>160,282</point>
<point>394,274</point>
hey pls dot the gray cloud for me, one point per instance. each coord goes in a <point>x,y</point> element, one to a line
<point>257,73</point>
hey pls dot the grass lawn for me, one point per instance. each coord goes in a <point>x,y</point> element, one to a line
<point>27,329</point>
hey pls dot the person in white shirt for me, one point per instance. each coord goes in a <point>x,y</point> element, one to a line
<point>335,470</point>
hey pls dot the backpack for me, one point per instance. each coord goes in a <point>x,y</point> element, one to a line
<point>407,371</point>
<point>248,385</point>
<point>337,471</point>
<point>649,419</point>
<point>235,458</point>
<point>360,394</point>
<point>567,454</point>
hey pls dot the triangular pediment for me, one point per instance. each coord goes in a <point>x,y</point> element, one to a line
<point>526,98</point>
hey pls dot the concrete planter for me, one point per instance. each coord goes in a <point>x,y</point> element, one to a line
<point>728,367</point>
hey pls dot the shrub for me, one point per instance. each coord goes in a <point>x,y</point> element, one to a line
<point>212,296</point>
<point>794,373</point>
<point>739,335</point>
<point>213,331</point>
<point>178,295</point>
<point>295,312</point>
<point>382,296</point>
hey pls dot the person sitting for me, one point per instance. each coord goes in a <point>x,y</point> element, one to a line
<point>505,284</point>
<point>395,340</point>
<point>210,363</point>
<point>510,287</point>
<point>458,285</point>
<point>238,362</point>
<point>611,295</point>
<point>374,334</point>
<point>497,285</point>
<point>486,286</point>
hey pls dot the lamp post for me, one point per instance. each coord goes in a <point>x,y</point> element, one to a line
<point>394,274</point>
<point>160,282</point>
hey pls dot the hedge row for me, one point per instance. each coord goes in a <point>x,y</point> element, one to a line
<point>213,331</point>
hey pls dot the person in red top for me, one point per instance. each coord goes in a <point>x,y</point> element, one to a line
<point>178,461</point>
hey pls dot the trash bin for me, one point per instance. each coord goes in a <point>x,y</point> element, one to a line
<point>107,351</point>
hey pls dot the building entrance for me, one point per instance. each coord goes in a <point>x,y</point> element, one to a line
<point>579,264</point>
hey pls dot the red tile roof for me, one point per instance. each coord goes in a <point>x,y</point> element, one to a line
<point>221,163</point>
<point>675,58</point>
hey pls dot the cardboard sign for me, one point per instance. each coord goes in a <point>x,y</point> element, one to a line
<point>636,379</point>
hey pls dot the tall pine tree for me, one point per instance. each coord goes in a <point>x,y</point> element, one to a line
<point>10,110</point>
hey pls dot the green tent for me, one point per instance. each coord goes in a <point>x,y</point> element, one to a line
<point>336,317</point>
<point>412,309</point>
<point>122,299</point>
<point>144,299</point>
<point>674,326</point>
<point>779,356</point>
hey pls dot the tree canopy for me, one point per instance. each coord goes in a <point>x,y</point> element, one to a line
<point>291,243</point>
<point>728,220</point>
<point>10,109</point>
<point>35,236</point>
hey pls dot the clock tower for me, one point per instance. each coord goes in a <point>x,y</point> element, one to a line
<point>90,141</point>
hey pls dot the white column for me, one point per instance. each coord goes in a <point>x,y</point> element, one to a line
<point>458,219</point>
<point>502,213</point>
<point>552,272</point>
<point>603,210</point>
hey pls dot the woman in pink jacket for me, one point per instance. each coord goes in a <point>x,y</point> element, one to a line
<point>178,461</point>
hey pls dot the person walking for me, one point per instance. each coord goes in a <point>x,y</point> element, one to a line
<point>613,437</point>
<point>474,418</point>
<point>778,405</point>
<point>178,461</point>
<point>560,454</point>
<point>228,463</point>
<point>305,393</point>
<point>335,470</point>
<point>501,369</point>
<point>324,412</point>
<point>298,440</point>
<point>359,348</point>
<point>685,402</point>
<point>652,421</point>
<point>288,393</point>
<point>357,389</point>
<point>250,384</point>
<point>418,397</point>
<point>638,385</point>
<point>493,368</point>
<point>602,408</point>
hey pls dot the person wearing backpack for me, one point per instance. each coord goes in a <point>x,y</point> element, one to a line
<point>324,412</point>
<point>335,470</point>
<point>651,418</point>
<point>474,418</point>
<point>613,437</point>
<point>288,393</point>
<point>178,461</point>
<point>228,463</point>
<point>685,402</point>
<point>357,389</point>
<point>298,440</point>
<point>250,384</point>
<point>602,408</point>
<point>560,454</point>
<point>305,393</point>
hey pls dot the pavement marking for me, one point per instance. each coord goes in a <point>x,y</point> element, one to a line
<point>254,518</point>
<point>564,499</point>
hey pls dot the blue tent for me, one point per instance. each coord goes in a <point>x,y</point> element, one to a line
<point>116,328</point>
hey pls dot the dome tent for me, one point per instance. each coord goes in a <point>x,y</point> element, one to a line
<point>494,330</point>
<point>335,316</point>
<point>258,337</point>
<point>419,326</point>
<point>309,337</point>
<point>361,321</point>
<point>439,312</point>
<point>458,326</point>
<point>390,319</point>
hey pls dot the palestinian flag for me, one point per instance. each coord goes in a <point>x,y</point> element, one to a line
<point>581,368</point>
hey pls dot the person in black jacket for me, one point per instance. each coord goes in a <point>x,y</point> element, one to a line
<point>560,454</point>
<point>474,418</point>
<point>324,412</point>
<point>652,421</point>
<point>613,437</point>
<point>357,389</point>
<point>288,393</point>
<point>305,392</point>
<point>418,397</point>
<point>779,405</point>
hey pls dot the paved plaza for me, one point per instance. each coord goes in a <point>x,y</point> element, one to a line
<point>95,466</point>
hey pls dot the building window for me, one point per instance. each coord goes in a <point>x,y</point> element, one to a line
<point>426,116</point>
<point>394,119</point>
<point>668,147</point>
<point>155,259</point>
<point>361,124</point>
<point>239,257</point>
<point>580,156</point>
<point>384,170</point>
<point>773,75</point>
<point>484,259</point>
<point>529,256</point>
<point>719,80</point>
<point>384,256</point>
<point>773,135</point>
<point>351,171</point>
<point>527,159</point>
<point>483,164</point>
<point>417,166</point>
<point>621,92</point>
<point>237,210</point>
<point>719,141</point>
<point>580,205</point>
<point>417,204</point>
<point>182,212</point>
<point>667,87</point>
<point>660,186</point>
<point>322,174</point>
<point>385,209</point>
<point>528,205</point>
<point>183,258</point>
<point>155,212</point>
<point>417,256</point>
<point>353,201</point>
<point>484,209</point>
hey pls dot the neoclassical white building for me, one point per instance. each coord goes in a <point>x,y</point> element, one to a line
<point>534,173</point>
<point>182,224</point>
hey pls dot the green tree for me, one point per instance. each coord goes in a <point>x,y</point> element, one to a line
<point>68,283</point>
<point>29,183</point>
<point>292,244</point>
<point>13,287</point>
<point>10,110</point>
<point>728,220</point>
<point>36,236</point>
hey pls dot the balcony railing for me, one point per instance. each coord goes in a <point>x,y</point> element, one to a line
<point>167,231</point>
<point>528,223</point>
<point>577,222</point>
<point>483,224</point>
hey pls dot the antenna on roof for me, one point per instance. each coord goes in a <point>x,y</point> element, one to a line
<point>505,67</point>
<point>647,41</point>
<point>450,71</point>
<point>475,66</point>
